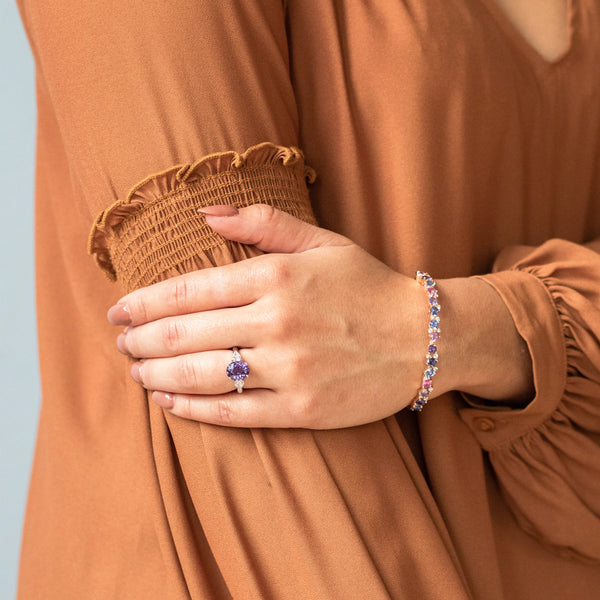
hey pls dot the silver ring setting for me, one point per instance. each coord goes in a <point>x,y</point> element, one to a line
<point>237,370</point>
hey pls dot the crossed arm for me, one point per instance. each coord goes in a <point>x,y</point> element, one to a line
<point>333,337</point>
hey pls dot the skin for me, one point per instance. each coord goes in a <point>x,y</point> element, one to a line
<point>542,23</point>
<point>334,338</point>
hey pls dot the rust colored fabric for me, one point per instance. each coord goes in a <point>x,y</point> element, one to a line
<point>441,141</point>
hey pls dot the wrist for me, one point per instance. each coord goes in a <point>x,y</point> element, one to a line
<point>482,353</point>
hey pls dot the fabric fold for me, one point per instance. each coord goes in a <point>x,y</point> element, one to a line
<point>157,231</point>
<point>546,456</point>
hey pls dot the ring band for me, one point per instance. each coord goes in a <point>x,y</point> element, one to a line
<point>237,370</point>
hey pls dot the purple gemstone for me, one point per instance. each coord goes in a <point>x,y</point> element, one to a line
<point>434,336</point>
<point>432,300</point>
<point>432,362</point>
<point>424,393</point>
<point>432,349</point>
<point>237,370</point>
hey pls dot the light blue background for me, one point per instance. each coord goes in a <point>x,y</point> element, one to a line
<point>20,396</point>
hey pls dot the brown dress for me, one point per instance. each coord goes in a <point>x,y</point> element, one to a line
<point>441,141</point>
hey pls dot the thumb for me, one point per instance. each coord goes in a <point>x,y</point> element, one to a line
<point>269,229</point>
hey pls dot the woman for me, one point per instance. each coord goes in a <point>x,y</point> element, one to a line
<point>453,137</point>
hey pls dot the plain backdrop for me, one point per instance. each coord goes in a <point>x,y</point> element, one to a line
<point>20,395</point>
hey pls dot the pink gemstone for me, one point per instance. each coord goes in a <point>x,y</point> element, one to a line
<point>434,335</point>
<point>432,290</point>
<point>427,384</point>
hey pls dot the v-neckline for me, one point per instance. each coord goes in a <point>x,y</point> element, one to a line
<point>530,52</point>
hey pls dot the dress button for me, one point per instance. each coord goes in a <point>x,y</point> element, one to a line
<point>485,424</point>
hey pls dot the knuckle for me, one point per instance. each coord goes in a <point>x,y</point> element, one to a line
<point>282,271</point>
<point>273,269</point>
<point>303,409</point>
<point>185,408</point>
<point>224,411</point>
<point>265,213</point>
<point>187,373</point>
<point>182,293</point>
<point>173,333</point>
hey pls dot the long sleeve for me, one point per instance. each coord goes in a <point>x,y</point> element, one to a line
<point>174,126</point>
<point>546,456</point>
<point>410,113</point>
<point>149,110</point>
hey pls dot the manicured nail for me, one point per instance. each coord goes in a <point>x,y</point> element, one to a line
<point>136,372</point>
<point>119,315</point>
<point>219,210</point>
<point>163,400</point>
<point>121,345</point>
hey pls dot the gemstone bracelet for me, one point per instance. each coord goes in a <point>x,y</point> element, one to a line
<point>434,335</point>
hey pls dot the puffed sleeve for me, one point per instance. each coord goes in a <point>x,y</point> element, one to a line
<point>546,456</point>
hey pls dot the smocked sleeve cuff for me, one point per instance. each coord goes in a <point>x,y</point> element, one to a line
<point>157,231</point>
<point>546,456</point>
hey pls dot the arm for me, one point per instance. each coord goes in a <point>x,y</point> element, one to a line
<point>312,267</point>
<point>546,455</point>
<point>537,414</point>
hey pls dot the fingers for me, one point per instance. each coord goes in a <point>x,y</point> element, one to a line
<point>253,408</point>
<point>201,373</point>
<point>269,229</point>
<point>197,332</point>
<point>232,285</point>
<point>209,289</point>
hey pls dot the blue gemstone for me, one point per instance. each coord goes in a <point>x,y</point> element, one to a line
<point>237,370</point>
<point>435,310</point>
<point>430,283</point>
<point>429,373</point>
<point>432,362</point>
<point>434,323</point>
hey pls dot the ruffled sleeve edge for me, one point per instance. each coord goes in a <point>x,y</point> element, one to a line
<point>176,178</point>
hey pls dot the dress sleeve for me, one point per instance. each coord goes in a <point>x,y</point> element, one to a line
<point>156,231</point>
<point>546,456</point>
<point>177,105</point>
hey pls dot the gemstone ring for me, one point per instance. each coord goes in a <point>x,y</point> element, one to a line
<point>237,370</point>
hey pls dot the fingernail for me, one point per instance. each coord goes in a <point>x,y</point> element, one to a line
<point>121,345</point>
<point>219,210</point>
<point>163,400</point>
<point>136,372</point>
<point>119,315</point>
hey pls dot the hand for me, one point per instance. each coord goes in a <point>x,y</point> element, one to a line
<point>333,337</point>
